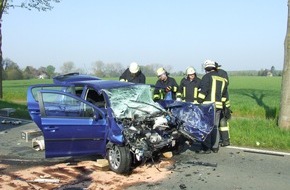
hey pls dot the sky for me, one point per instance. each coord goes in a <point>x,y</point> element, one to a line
<point>238,34</point>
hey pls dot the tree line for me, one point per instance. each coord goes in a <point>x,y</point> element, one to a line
<point>11,70</point>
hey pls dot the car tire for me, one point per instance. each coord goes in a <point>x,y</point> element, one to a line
<point>120,159</point>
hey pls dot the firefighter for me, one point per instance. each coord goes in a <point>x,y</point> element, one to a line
<point>226,113</point>
<point>189,86</point>
<point>165,87</point>
<point>212,90</point>
<point>133,74</point>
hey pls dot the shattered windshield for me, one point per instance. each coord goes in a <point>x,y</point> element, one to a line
<point>131,101</point>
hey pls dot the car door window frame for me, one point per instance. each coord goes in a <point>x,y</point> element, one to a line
<point>85,108</point>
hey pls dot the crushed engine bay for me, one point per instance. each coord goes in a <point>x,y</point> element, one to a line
<point>150,127</point>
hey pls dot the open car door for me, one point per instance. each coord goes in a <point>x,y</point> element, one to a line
<point>70,125</point>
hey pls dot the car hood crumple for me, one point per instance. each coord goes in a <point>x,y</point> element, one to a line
<point>197,119</point>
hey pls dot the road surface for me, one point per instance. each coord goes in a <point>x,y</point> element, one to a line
<point>232,168</point>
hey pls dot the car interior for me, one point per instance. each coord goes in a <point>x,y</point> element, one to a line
<point>95,98</point>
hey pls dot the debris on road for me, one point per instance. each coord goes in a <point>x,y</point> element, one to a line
<point>7,111</point>
<point>43,180</point>
<point>102,164</point>
<point>182,186</point>
<point>17,122</point>
<point>38,143</point>
<point>202,163</point>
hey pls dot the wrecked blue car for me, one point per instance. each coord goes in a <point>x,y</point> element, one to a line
<point>118,120</point>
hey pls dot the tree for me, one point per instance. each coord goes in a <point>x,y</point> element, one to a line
<point>284,116</point>
<point>113,69</point>
<point>5,5</point>
<point>98,68</point>
<point>11,70</point>
<point>67,67</point>
<point>50,71</point>
<point>29,72</point>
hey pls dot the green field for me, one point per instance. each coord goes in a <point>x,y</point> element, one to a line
<point>255,104</point>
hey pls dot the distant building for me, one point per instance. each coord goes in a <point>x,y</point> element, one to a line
<point>43,76</point>
<point>269,74</point>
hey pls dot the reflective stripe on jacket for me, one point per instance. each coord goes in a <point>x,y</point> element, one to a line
<point>189,89</point>
<point>160,88</point>
<point>213,88</point>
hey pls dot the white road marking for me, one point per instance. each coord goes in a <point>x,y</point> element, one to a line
<point>260,151</point>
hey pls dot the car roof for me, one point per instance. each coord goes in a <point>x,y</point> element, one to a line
<point>95,82</point>
<point>71,77</point>
<point>105,84</point>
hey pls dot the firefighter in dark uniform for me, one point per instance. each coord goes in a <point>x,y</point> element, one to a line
<point>212,90</point>
<point>133,74</point>
<point>165,87</point>
<point>226,113</point>
<point>189,86</point>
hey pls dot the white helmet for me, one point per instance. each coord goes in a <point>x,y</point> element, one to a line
<point>134,67</point>
<point>209,63</point>
<point>190,71</point>
<point>160,71</point>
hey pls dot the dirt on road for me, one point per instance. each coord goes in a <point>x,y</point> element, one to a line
<point>82,175</point>
<point>22,167</point>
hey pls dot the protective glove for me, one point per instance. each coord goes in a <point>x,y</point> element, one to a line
<point>155,99</point>
<point>227,113</point>
<point>178,99</point>
<point>168,88</point>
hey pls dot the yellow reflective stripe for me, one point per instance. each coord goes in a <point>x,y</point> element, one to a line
<point>195,92</point>
<point>224,99</point>
<point>228,104</point>
<point>219,105</point>
<point>213,87</point>
<point>156,96</point>
<point>174,89</point>
<point>184,92</point>
<point>207,102</point>
<point>224,128</point>
<point>201,96</point>
<point>161,95</point>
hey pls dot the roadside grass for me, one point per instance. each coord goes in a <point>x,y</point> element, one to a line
<point>259,133</point>
<point>15,90</point>
<point>255,102</point>
<point>21,111</point>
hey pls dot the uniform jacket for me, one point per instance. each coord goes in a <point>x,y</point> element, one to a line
<point>127,76</point>
<point>224,74</point>
<point>213,88</point>
<point>160,91</point>
<point>189,89</point>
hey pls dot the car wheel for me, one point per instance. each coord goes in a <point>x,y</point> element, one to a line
<point>120,159</point>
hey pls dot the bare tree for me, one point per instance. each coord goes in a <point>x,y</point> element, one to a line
<point>284,117</point>
<point>98,68</point>
<point>5,5</point>
<point>67,67</point>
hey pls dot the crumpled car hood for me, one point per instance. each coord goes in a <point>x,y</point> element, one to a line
<point>197,119</point>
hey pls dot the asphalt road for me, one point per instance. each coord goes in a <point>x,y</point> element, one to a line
<point>232,168</point>
<point>11,140</point>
